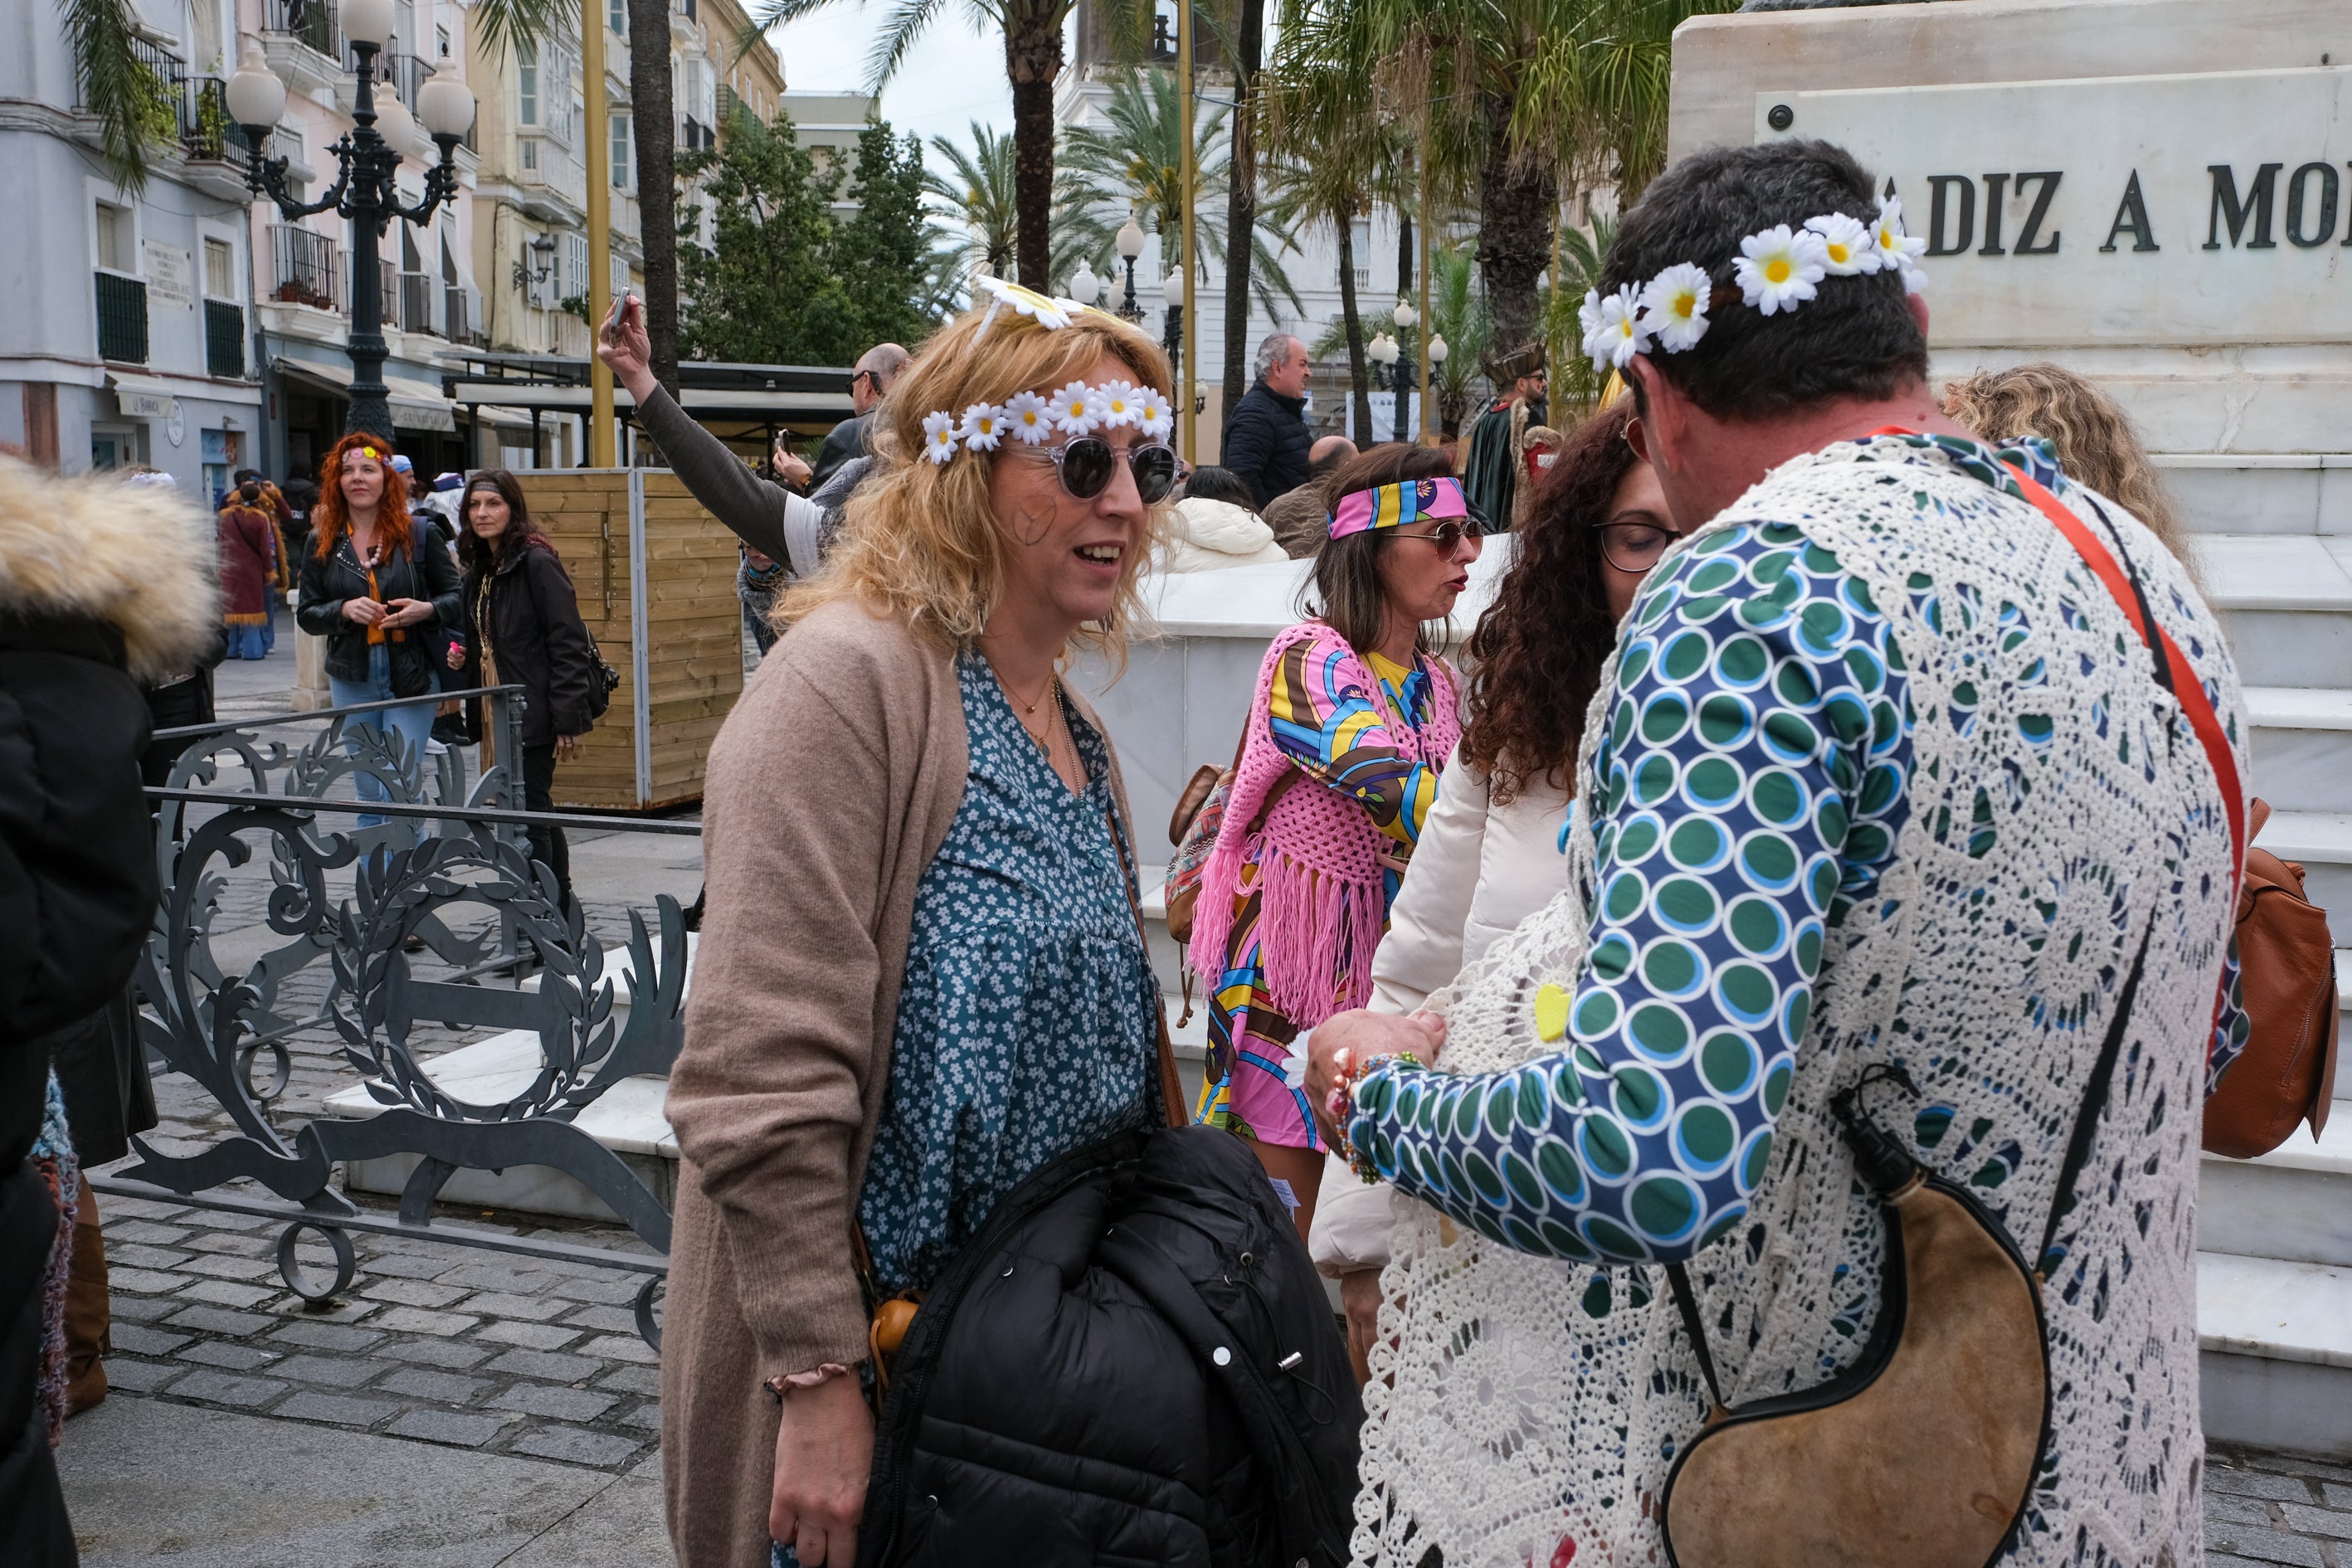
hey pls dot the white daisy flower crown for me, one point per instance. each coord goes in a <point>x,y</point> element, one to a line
<point>1078,409</point>
<point>1777,270</point>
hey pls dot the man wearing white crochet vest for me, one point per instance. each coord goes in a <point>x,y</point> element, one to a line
<point>1917,760</point>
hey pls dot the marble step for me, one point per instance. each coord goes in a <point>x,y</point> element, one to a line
<point>626,1119</point>
<point>2285,601</point>
<point>2259,492</point>
<point>2275,1343</point>
<point>2302,744</point>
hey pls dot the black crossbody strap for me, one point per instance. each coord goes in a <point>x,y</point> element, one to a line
<point>2093,1103</point>
<point>1678,1280</point>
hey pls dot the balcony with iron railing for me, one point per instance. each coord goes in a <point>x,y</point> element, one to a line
<point>456,315</point>
<point>416,301</point>
<point>306,269</point>
<point>121,319</point>
<point>224,338</point>
<point>304,42</point>
<point>174,108</point>
<point>405,74</point>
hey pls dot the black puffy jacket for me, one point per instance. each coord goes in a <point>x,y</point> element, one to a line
<point>1134,1362</point>
<point>1266,441</point>
<point>425,572</point>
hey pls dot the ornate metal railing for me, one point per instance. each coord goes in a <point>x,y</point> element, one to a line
<point>439,851</point>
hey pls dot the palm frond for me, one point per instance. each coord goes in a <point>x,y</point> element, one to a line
<point>505,25</point>
<point>115,85</point>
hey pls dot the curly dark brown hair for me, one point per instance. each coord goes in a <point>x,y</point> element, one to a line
<point>1537,654</point>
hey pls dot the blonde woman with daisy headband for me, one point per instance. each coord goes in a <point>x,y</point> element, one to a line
<point>920,976</point>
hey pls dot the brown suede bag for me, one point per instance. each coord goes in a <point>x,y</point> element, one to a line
<point>2286,1074</point>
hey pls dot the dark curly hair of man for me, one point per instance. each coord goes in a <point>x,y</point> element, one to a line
<point>1537,655</point>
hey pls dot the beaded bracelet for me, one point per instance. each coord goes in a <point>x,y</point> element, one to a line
<point>1342,1103</point>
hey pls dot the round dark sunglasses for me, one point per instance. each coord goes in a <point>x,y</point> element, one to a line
<point>1088,463</point>
<point>1446,536</point>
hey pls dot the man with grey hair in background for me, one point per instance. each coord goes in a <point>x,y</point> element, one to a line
<point>876,368</point>
<point>1265,437</point>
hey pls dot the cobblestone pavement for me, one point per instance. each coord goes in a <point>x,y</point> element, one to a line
<point>470,1350</point>
<point>2276,1508</point>
<point>443,1343</point>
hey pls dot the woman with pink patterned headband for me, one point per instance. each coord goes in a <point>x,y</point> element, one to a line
<point>1356,701</point>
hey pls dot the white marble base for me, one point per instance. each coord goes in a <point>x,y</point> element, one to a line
<point>626,1119</point>
<point>2275,1339</point>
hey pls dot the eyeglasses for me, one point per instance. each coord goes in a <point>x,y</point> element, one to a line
<point>1635,547</point>
<point>863,375</point>
<point>1446,536</point>
<point>1088,463</point>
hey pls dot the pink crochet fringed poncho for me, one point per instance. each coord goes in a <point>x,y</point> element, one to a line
<point>1321,905</point>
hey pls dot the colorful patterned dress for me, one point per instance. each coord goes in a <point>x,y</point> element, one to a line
<point>1345,739</point>
<point>1027,1023</point>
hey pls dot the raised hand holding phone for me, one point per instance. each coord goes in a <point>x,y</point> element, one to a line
<point>622,343</point>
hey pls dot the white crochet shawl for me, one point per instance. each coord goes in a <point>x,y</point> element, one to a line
<point>1517,1404</point>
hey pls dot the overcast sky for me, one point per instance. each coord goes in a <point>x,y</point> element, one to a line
<point>954,77</point>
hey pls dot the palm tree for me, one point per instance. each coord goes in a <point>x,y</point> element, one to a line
<point>1033,61</point>
<point>1247,54</point>
<point>979,195</point>
<point>1135,166</point>
<point>1457,313</point>
<point>1573,378</point>
<point>1330,153</point>
<point>1505,97</point>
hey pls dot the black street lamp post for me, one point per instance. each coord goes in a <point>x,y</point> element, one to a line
<point>365,190</point>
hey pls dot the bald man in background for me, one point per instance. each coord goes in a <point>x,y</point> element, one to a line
<point>876,370</point>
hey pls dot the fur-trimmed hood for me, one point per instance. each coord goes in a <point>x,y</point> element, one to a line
<point>140,558</point>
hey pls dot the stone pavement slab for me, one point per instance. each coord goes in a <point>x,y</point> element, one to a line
<point>150,1483</point>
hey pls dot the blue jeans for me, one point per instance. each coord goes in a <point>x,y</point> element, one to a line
<point>414,724</point>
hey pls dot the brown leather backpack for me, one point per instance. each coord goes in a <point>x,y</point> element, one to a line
<point>2287,979</point>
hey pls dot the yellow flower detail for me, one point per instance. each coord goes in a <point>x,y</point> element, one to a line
<point>1551,1013</point>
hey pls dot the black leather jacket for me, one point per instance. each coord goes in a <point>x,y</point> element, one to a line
<point>426,572</point>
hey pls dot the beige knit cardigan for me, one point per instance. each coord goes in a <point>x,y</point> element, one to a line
<point>830,788</point>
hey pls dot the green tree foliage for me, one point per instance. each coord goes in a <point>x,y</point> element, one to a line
<point>787,282</point>
<point>885,248</point>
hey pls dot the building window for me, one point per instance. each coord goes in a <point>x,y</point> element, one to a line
<point>526,84</point>
<point>441,36</point>
<point>220,269</point>
<point>620,279</point>
<point>531,154</point>
<point>622,144</point>
<point>575,267</point>
<point>117,238</point>
<point>620,15</point>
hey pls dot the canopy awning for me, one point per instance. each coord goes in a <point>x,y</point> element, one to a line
<point>415,404</point>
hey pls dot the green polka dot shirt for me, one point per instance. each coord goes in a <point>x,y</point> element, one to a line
<point>1748,793</point>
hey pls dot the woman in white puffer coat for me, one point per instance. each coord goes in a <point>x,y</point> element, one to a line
<point>1216,527</point>
<point>1491,851</point>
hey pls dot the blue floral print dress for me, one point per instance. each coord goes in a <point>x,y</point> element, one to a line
<point>1025,1025</point>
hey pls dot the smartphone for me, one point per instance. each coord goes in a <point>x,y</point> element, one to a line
<point>613,318</point>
